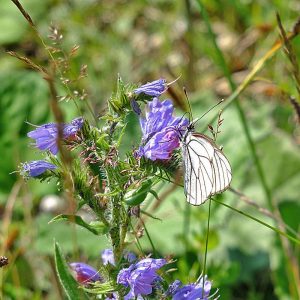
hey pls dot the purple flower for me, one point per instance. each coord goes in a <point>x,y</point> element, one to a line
<point>45,136</point>
<point>72,128</point>
<point>160,130</point>
<point>107,256</point>
<point>84,273</point>
<point>37,167</point>
<point>135,107</point>
<point>173,288</point>
<point>129,256</point>
<point>154,88</point>
<point>140,277</point>
<point>193,291</point>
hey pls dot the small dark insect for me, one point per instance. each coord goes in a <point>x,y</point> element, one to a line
<point>3,261</point>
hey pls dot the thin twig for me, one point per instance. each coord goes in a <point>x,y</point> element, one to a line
<point>24,13</point>
<point>32,25</point>
<point>28,62</point>
<point>290,53</point>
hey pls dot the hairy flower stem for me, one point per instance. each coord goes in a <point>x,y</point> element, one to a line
<point>115,226</point>
<point>94,205</point>
<point>124,229</point>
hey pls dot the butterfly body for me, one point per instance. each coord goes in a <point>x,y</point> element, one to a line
<point>206,169</point>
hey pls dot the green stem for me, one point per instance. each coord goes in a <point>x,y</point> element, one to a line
<point>150,240</point>
<point>291,238</point>
<point>206,245</point>
<point>186,227</point>
<point>138,244</point>
<point>115,227</point>
<point>124,228</point>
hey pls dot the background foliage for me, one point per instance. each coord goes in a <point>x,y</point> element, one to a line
<point>141,41</point>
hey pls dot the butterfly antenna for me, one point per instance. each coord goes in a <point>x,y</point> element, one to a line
<point>221,101</point>
<point>189,104</point>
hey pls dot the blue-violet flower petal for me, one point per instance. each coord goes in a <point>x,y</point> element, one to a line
<point>37,167</point>
<point>84,273</point>
<point>153,88</point>
<point>45,136</point>
<point>160,130</point>
<point>140,277</point>
<point>107,257</point>
<point>194,291</point>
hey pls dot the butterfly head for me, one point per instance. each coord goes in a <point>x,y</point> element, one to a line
<point>191,126</point>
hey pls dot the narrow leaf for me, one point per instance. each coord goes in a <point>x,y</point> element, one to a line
<point>97,228</point>
<point>69,284</point>
<point>138,196</point>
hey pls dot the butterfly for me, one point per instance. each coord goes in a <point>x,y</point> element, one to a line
<point>207,171</point>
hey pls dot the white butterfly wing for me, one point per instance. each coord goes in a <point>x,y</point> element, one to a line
<point>222,172</point>
<point>198,171</point>
<point>207,170</point>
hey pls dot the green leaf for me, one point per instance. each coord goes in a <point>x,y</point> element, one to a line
<point>69,284</point>
<point>136,197</point>
<point>290,212</point>
<point>96,228</point>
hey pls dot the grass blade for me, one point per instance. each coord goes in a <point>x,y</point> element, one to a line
<point>296,241</point>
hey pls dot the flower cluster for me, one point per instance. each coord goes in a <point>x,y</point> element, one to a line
<point>199,290</point>
<point>86,274</point>
<point>46,135</point>
<point>95,180</point>
<point>159,127</point>
<point>140,277</point>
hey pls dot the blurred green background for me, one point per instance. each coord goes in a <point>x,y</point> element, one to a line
<point>142,41</point>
